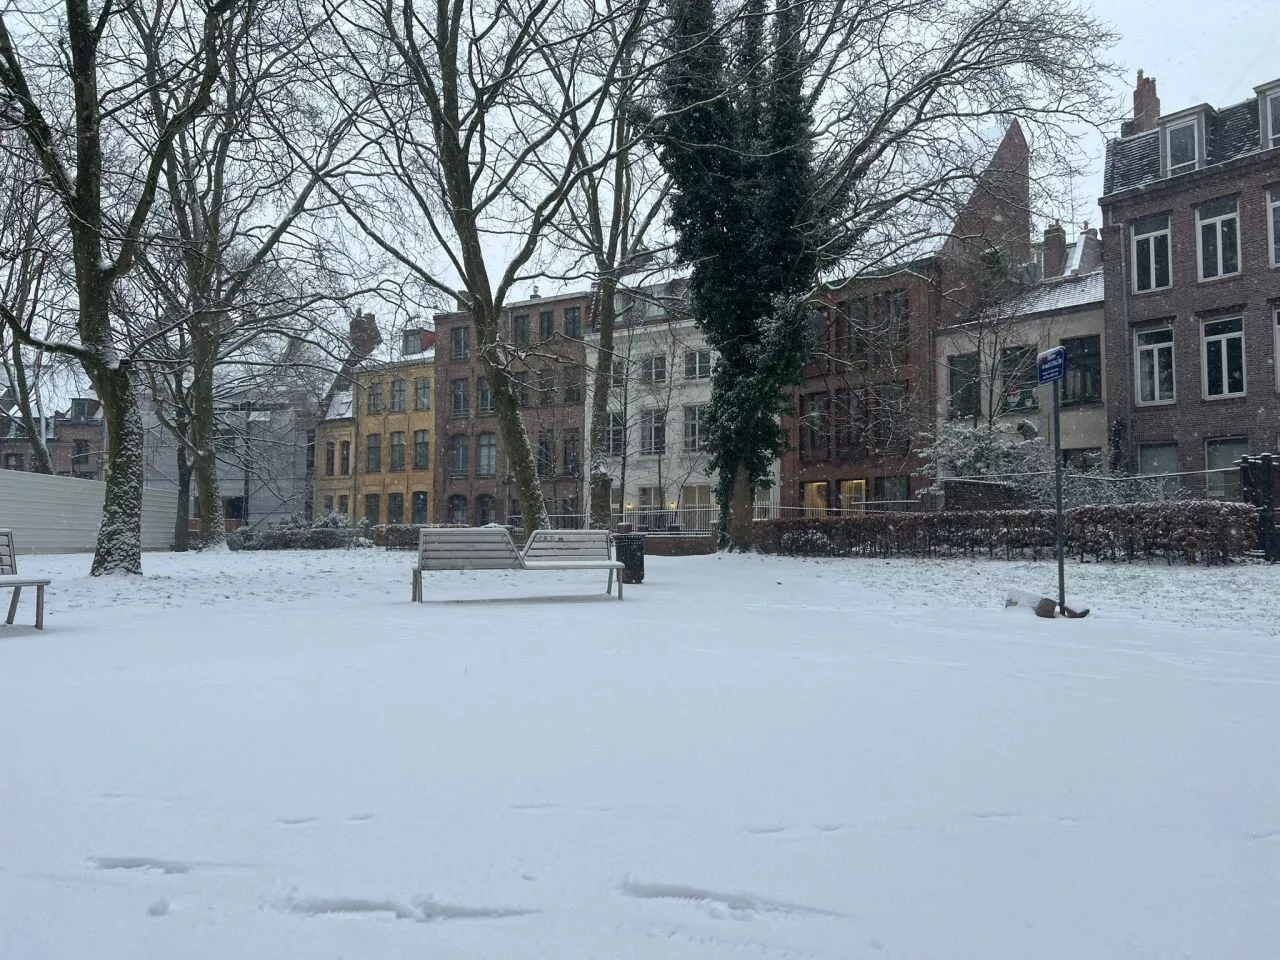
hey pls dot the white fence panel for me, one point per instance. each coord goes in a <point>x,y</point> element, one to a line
<point>61,514</point>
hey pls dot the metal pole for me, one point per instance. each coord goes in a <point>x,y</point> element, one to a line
<point>1057,469</point>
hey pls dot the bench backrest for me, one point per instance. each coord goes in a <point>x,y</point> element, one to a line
<point>568,545</point>
<point>466,548</point>
<point>8,556</point>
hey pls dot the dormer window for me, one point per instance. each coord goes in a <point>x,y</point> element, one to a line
<point>1273,118</point>
<point>1182,147</point>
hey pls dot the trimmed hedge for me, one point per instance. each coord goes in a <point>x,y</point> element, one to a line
<point>1188,531</point>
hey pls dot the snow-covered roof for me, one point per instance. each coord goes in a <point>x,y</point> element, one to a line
<point>340,406</point>
<point>1057,294</point>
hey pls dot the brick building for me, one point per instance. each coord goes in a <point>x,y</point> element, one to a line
<point>1191,210</point>
<point>473,480</point>
<point>75,438</point>
<point>869,389</point>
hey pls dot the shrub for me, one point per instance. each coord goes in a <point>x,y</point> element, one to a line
<point>330,532</point>
<point>1190,531</point>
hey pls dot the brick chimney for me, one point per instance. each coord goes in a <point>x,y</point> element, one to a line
<point>1146,107</point>
<point>1055,250</point>
<point>428,340</point>
<point>364,335</point>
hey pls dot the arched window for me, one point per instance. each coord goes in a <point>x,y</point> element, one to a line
<point>457,508</point>
<point>485,510</point>
<point>486,455</point>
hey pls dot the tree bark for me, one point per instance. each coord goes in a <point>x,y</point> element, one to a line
<point>518,449</point>
<point>204,350</point>
<point>40,462</point>
<point>742,534</point>
<point>182,520</point>
<point>600,508</point>
<point>119,547</point>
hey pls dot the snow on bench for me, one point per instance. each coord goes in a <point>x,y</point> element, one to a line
<point>491,548</point>
<point>9,579</point>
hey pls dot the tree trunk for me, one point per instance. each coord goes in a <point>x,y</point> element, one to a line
<point>40,462</point>
<point>213,529</point>
<point>119,547</point>
<point>600,508</point>
<point>742,534</point>
<point>519,453</point>
<point>182,522</point>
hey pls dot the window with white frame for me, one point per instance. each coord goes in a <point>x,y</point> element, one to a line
<point>1219,238</point>
<point>654,369</point>
<point>1273,117</point>
<point>695,428</point>
<point>653,432</point>
<point>1273,224</point>
<point>1182,147</point>
<point>1223,358</point>
<point>1220,457</point>
<point>1154,360</point>
<point>617,439</point>
<point>1149,251</point>
<point>697,364</point>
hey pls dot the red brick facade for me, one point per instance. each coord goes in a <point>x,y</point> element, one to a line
<point>1144,433</point>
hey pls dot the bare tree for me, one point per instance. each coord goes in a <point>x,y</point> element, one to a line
<point>102,171</point>
<point>468,164</point>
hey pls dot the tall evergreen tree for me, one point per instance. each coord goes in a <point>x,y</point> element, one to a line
<point>737,145</point>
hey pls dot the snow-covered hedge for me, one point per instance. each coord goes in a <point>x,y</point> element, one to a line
<point>1190,531</point>
<point>330,532</point>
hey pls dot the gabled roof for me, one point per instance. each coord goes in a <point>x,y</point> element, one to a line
<point>1057,294</point>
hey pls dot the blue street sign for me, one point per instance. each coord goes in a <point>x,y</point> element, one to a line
<point>1051,365</point>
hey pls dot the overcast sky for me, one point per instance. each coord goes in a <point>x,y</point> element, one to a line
<point>1199,51</point>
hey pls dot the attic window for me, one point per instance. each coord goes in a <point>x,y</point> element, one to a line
<point>1182,147</point>
<point>1273,117</point>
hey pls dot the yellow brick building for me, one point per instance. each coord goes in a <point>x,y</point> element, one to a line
<point>375,447</point>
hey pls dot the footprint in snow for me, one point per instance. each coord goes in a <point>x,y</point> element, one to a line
<point>139,863</point>
<point>296,821</point>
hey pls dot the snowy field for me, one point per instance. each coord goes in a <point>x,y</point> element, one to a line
<point>278,756</point>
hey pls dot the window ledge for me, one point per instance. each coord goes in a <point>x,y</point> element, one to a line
<point>1090,402</point>
<point>1154,403</point>
<point>1147,293</point>
<point>1226,396</point>
<point>1226,276</point>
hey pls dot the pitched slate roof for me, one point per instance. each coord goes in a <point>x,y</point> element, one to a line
<point>1057,294</point>
<point>1134,161</point>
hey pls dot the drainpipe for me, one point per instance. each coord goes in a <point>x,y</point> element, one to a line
<point>1128,359</point>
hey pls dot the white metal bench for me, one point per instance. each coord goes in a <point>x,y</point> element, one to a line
<point>9,579</point>
<point>491,548</point>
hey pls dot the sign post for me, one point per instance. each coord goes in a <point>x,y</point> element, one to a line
<point>1051,367</point>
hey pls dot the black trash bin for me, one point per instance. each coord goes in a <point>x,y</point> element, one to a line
<point>628,548</point>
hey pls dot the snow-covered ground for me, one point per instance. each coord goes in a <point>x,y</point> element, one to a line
<point>278,756</point>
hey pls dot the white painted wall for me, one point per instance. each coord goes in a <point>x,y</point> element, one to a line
<point>61,514</point>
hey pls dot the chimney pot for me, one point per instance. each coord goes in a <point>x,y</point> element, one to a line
<point>1146,107</point>
<point>1055,250</point>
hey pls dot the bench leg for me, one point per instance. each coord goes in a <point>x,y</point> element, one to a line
<point>13,604</point>
<point>619,584</point>
<point>417,586</point>
<point>40,607</point>
<point>609,589</point>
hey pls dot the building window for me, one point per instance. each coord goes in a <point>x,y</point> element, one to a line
<point>573,323</point>
<point>80,409</point>
<point>890,425</point>
<point>1219,238</point>
<point>964,385</point>
<point>546,324</point>
<point>573,452</point>
<point>1159,460</point>
<point>460,340</point>
<point>697,364</point>
<point>654,369</point>
<point>1155,366</point>
<point>484,397</point>
<point>618,374</point>
<point>80,457</point>
<point>696,509</point>
<point>395,508</point>
<point>485,510</point>
<point>344,505</point>
<point>458,465</point>
<point>520,388</point>
<point>573,384</point>
<point>421,449</point>
<point>345,458</point>
<point>853,496</point>
<point>814,498</point>
<point>14,461</point>
<point>330,452</point>
<point>1273,223</point>
<point>847,415</point>
<point>372,507</point>
<point>1083,380</point>
<point>397,452</point>
<point>486,455</point>
<point>547,453</point>
<point>311,452</point>
<point>1223,358</point>
<point>1273,117</point>
<point>1220,456</point>
<point>520,329</point>
<point>1182,147</point>
<point>815,427</point>
<point>458,509</point>
<point>892,490</point>
<point>397,396</point>
<point>695,428</point>
<point>373,453</point>
<point>375,404</point>
<point>460,404</point>
<point>422,393</point>
<point>1150,254</point>
<point>1018,378</point>
<point>328,504</point>
<point>514,515</point>
<point>419,506</point>
<point>617,439</point>
<point>410,343</point>
<point>546,387</point>
<point>853,345</point>
<point>653,432</point>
